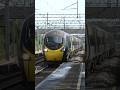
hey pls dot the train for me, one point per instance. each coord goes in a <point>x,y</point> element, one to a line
<point>27,45</point>
<point>59,46</point>
<point>99,44</point>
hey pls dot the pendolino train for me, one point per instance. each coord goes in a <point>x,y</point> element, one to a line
<point>27,50</point>
<point>59,46</point>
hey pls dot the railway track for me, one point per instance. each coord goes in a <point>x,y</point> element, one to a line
<point>43,72</point>
<point>39,65</point>
<point>39,60</point>
<point>39,69</point>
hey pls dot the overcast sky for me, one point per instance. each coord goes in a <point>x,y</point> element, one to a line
<point>56,6</point>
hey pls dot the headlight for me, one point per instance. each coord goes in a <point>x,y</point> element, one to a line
<point>45,49</point>
<point>62,49</point>
<point>25,56</point>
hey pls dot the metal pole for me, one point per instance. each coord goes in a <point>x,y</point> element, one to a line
<point>64,23</point>
<point>77,8</point>
<point>47,20</point>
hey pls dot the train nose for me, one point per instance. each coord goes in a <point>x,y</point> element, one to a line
<point>53,55</point>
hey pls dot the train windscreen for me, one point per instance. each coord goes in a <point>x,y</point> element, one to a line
<point>53,42</point>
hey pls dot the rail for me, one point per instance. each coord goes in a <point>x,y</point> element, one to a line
<point>39,60</point>
<point>39,69</point>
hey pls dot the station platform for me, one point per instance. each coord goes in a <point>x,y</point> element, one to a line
<point>68,76</point>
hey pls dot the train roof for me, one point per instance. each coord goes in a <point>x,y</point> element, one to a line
<point>59,33</point>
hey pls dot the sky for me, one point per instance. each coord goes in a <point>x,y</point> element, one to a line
<point>57,6</point>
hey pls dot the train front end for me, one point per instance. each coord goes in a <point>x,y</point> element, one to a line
<point>53,48</point>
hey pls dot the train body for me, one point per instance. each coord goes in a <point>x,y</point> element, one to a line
<point>59,45</point>
<point>27,44</point>
<point>99,45</point>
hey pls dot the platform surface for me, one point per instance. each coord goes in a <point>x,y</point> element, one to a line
<point>68,76</point>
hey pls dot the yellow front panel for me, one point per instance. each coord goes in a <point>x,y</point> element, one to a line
<point>29,67</point>
<point>53,55</point>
